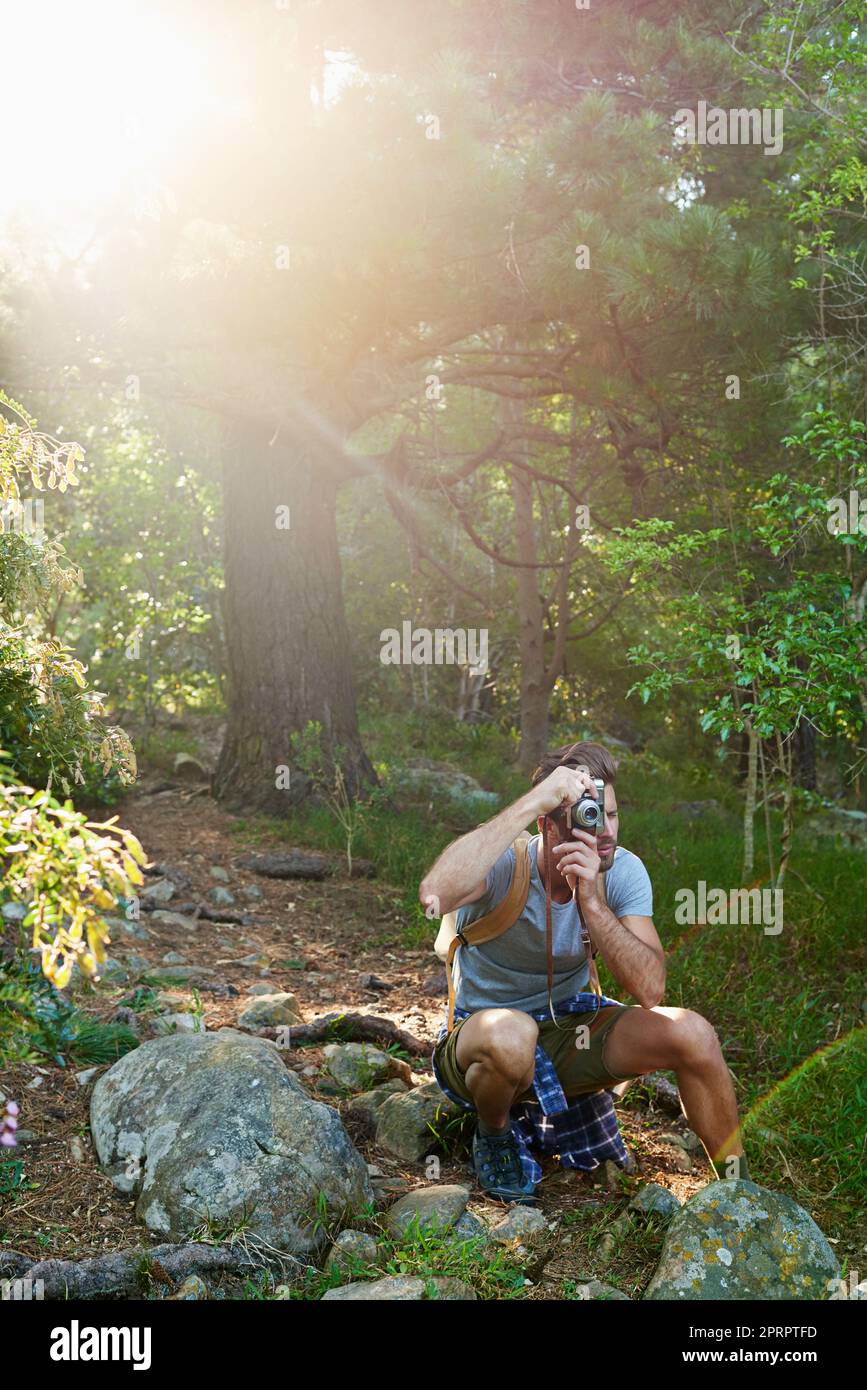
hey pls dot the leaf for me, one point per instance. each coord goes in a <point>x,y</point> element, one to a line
<point>134,847</point>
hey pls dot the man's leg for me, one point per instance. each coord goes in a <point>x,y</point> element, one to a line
<point>684,1042</point>
<point>496,1050</point>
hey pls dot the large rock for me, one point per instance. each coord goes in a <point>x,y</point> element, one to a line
<point>214,1126</point>
<point>424,779</point>
<point>403,1124</point>
<point>402,1288</point>
<point>735,1240</point>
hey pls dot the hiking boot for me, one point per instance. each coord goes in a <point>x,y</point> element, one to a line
<point>497,1161</point>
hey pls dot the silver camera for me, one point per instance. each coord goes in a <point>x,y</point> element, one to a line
<point>588,812</point>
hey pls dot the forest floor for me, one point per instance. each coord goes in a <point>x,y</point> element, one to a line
<point>317,941</point>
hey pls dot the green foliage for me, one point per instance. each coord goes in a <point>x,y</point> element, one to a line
<point>68,874</point>
<point>145,529</point>
<point>325,774</point>
<point>37,1022</point>
<point>50,723</point>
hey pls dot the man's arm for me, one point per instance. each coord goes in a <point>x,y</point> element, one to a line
<point>631,949</point>
<point>459,875</point>
<point>629,945</point>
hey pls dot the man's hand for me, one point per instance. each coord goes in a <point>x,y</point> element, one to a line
<point>562,789</point>
<point>579,863</point>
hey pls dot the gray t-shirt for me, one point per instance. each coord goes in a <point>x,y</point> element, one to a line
<point>511,970</point>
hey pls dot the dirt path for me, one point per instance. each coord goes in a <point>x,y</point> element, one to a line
<point>317,941</point>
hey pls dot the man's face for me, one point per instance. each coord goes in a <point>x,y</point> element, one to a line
<point>606,842</point>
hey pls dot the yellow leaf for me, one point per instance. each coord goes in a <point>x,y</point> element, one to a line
<point>134,847</point>
<point>133,872</point>
<point>62,974</point>
<point>94,940</point>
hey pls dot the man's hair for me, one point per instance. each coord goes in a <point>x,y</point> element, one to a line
<point>590,755</point>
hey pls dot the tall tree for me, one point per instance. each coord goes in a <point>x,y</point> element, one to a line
<point>406,192</point>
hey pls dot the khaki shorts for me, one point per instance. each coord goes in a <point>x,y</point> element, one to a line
<point>579,1058</point>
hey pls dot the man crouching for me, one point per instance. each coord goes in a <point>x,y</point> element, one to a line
<point>514,1038</point>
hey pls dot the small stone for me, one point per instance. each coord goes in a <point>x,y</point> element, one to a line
<point>351,1246</point>
<point>375,983</point>
<point>34,1084</point>
<point>262,988</point>
<point>170,999</point>
<point>85,1077</point>
<point>219,873</point>
<point>189,769</point>
<point>469,1227</point>
<point>76,1149</point>
<point>402,1288</point>
<point>173,958</point>
<point>175,919</point>
<point>14,912</point>
<point>221,897</point>
<point>252,892</point>
<point>435,1208</point>
<point>435,984</point>
<point>594,1290</point>
<point>653,1198</point>
<point>270,1011</point>
<point>192,1289</point>
<point>177,1023</point>
<point>357,1065</point>
<point>404,1121</point>
<point>160,892</point>
<point>525,1224</point>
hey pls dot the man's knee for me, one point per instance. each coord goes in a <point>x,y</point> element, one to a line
<point>695,1039</point>
<point>504,1039</point>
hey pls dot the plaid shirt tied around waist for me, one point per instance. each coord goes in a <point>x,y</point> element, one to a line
<point>583,1134</point>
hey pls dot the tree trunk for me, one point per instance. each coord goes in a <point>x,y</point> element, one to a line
<point>287,643</point>
<point>786,760</point>
<point>750,804</point>
<point>535,686</point>
<point>806,755</point>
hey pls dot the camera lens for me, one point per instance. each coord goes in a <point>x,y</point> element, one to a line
<point>588,813</point>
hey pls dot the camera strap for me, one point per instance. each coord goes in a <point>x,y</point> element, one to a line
<point>506,914</point>
<point>586,939</point>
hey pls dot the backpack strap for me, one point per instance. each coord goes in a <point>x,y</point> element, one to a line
<point>495,922</point>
